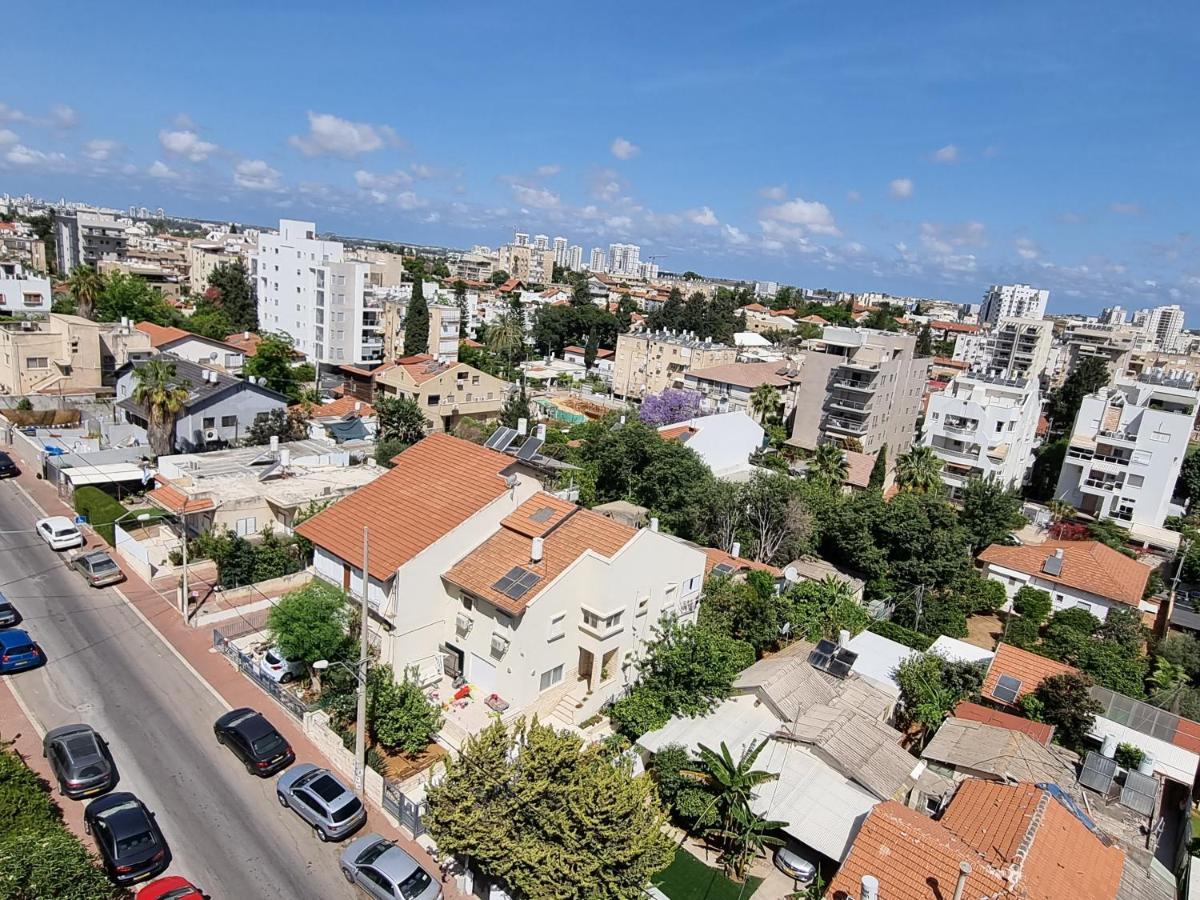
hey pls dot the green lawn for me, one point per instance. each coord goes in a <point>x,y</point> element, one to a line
<point>687,878</point>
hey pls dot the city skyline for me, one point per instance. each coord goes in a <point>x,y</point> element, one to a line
<point>916,166</point>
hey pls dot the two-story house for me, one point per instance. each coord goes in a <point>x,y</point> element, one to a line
<point>194,347</point>
<point>446,392</point>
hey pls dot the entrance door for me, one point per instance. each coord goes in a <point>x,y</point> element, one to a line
<point>482,674</point>
<point>345,578</point>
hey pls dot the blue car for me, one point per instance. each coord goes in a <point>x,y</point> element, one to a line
<point>19,651</point>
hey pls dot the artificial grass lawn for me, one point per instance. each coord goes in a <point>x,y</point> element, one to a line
<point>687,878</point>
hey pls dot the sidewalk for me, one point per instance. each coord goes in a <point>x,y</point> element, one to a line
<point>194,647</point>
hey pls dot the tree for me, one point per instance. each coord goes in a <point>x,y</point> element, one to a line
<point>127,296</point>
<point>311,624</point>
<point>386,451</point>
<point>878,470</point>
<point>506,337</point>
<point>516,408</point>
<point>285,424</point>
<point>931,686</point>
<point>85,285</point>
<point>738,608</point>
<point>273,363</point>
<point>416,321</point>
<point>1169,682</point>
<point>1067,704</point>
<point>919,469</point>
<point>990,512</point>
<point>232,292</point>
<point>1047,464</point>
<point>777,521</point>
<point>822,609</point>
<point>162,396</point>
<point>1032,604</point>
<point>733,783</point>
<point>499,277</point>
<point>402,718</point>
<point>1181,649</point>
<point>669,406</point>
<point>764,402</point>
<point>1088,377</point>
<point>1187,485</point>
<point>924,341</point>
<point>400,419</point>
<point>548,816</point>
<point>829,464</point>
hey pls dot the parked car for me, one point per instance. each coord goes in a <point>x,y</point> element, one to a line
<point>59,532</point>
<point>320,799</point>
<point>80,760</point>
<point>792,863</point>
<point>98,568</point>
<point>19,651</point>
<point>280,669</point>
<point>131,845</point>
<point>386,872</point>
<point>9,615</point>
<point>254,741</point>
<point>8,468</point>
<point>172,887</point>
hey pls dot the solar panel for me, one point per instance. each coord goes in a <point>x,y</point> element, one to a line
<point>530,448</point>
<point>1098,772</point>
<point>542,515</point>
<point>722,569</point>
<point>504,435</point>
<point>822,655</point>
<point>510,435</point>
<point>1140,792</point>
<point>1006,689</point>
<point>517,582</point>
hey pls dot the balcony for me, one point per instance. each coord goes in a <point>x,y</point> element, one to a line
<point>950,428</point>
<point>856,384</point>
<point>602,626</point>
<point>1121,437</point>
<point>845,425</point>
<point>1097,484</point>
<point>853,406</point>
<point>953,453</point>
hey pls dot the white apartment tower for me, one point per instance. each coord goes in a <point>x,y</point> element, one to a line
<point>307,290</point>
<point>624,259</point>
<point>520,239</point>
<point>1164,325</point>
<point>1127,447</point>
<point>599,261</point>
<point>574,258</point>
<point>1013,300</point>
<point>560,251</point>
<point>541,242</point>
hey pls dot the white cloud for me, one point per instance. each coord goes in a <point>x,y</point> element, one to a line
<point>409,200</point>
<point>947,154</point>
<point>20,155</point>
<point>1126,209</point>
<point>621,223</point>
<point>255,175</point>
<point>330,135</point>
<point>775,192</point>
<point>811,215</point>
<point>538,198</point>
<point>853,196</point>
<point>943,240</point>
<point>100,149</point>
<point>159,169</point>
<point>7,137</point>
<point>703,216</point>
<point>186,144</point>
<point>623,149</point>
<point>1027,249</point>
<point>63,116</point>
<point>548,170</point>
<point>184,121</point>
<point>8,114</point>
<point>382,181</point>
<point>901,188</point>
<point>735,235</point>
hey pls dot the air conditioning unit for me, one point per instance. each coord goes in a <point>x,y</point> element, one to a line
<point>463,623</point>
<point>211,434</point>
<point>499,645</point>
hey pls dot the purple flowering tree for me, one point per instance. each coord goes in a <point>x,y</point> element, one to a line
<point>669,407</point>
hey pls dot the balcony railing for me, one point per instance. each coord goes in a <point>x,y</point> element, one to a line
<point>1123,436</point>
<point>960,429</point>
<point>845,425</point>
<point>957,454</point>
<point>1103,485</point>
<point>850,405</point>
<point>855,384</point>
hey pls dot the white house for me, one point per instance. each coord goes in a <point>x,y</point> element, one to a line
<point>602,366</point>
<point>22,293</point>
<point>194,347</point>
<point>1077,574</point>
<point>724,441</point>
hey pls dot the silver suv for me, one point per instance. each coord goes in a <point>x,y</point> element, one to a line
<point>320,799</point>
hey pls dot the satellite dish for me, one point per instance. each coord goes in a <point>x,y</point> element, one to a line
<point>790,574</point>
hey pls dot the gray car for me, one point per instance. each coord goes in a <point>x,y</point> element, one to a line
<point>320,799</point>
<point>386,872</point>
<point>80,761</point>
<point>99,568</point>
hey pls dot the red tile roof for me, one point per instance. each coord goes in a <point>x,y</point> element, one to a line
<point>174,500</point>
<point>436,485</point>
<point>950,362</point>
<point>959,327</point>
<point>163,334</point>
<point>1087,566</point>
<point>573,349</point>
<point>714,557</point>
<point>343,406</point>
<point>246,341</point>
<point>975,712</point>
<point>755,307</point>
<point>601,353</point>
<point>858,468</point>
<point>1029,669</point>
<point>814,320</point>
<point>511,285</point>
<point>676,432</point>
<point>470,342</point>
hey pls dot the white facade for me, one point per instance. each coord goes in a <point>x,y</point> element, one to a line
<point>598,261</point>
<point>1127,447</point>
<point>725,442</point>
<point>983,426</point>
<point>574,258</point>
<point>22,293</point>
<point>1013,348</point>
<point>307,289</point>
<point>560,251</point>
<point>1062,596</point>
<point>1163,327</point>
<point>1019,300</point>
<point>624,259</point>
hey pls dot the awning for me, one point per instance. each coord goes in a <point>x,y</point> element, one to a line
<point>1162,538</point>
<point>102,474</point>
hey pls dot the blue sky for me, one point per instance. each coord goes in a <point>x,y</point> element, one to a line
<point>921,148</point>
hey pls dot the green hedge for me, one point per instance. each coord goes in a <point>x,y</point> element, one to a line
<point>101,511</point>
<point>902,635</point>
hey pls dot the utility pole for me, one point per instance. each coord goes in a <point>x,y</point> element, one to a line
<point>185,600</point>
<point>360,721</point>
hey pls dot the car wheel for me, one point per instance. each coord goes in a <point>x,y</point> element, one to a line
<point>286,677</point>
<point>250,770</point>
<point>321,835</point>
<point>220,739</point>
<point>348,875</point>
<point>282,800</point>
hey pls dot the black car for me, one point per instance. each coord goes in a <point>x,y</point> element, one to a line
<point>80,761</point>
<point>254,741</point>
<point>129,840</point>
<point>8,468</point>
<point>9,616</point>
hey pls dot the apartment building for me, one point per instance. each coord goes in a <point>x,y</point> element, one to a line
<point>728,388</point>
<point>203,258</point>
<point>19,243</point>
<point>194,347</point>
<point>531,599</point>
<point>1012,348</point>
<point>575,258</point>
<point>527,263</point>
<point>984,426</point>
<point>861,384</point>
<point>66,354</point>
<point>21,292</point>
<point>446,392</point>
<point>652,361</point>
<point>307,290</point>
<point>1162,326</point>
<point>598,261</point>
<point>624,259</point>
<point>1114,344</point>
<point>473,267</point>
<point>1127,446</point>
<point>86,238</point>
<point>1013,300</point>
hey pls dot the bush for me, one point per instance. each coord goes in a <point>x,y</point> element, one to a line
<point>1030,603</point>
<point>387,450</point>
<point>1021,632</point>
<point>639,711</point>
<point>25,404</point>
<point>902,635</point>
<point>665,766</point>
<point>695,805</point>
<point>401,717</point>
<point>101,511</point>
<point>1129,756</point>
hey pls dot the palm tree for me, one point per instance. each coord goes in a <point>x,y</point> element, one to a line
<point>506,336</point>
<point>738,828</point>
<point>829,464</point>
<point>1060,510</point>
<point>163,397</point>
<point>919,469</point>
<point>85,285</point>
<point>764,402</point>
<point>1170,681</point>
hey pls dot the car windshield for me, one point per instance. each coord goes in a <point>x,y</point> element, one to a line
<point>103,564</point>
<point>414,884</point>
<point>272,659</point>
<point>18,649</point>
<point>134,843</point>
<point>326,788</point>
<point>373,852</point>
<point>65,532</point>
<point>268,744</point>
<point>350,809</point>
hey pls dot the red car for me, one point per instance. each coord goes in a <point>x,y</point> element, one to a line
<point>170,888</point>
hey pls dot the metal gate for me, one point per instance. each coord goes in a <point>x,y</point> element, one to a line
<point>407,810</point>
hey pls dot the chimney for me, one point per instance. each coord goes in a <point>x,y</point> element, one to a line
<point>868,888</point>
<point>736,549</point>
<point>124,321</point>
<point>285,457</point>
<point>357,405</point>
<point>522,427</point>
<point>274,443</point>
<point>654,523</point>
<point>535,552</point>
<point>964,870</point>
<point>245,335</point>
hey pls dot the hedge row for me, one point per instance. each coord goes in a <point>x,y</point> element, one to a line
<point>101,511</point>
<point>902,635</point>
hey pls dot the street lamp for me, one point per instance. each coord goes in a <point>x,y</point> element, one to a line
<point>359,671</point>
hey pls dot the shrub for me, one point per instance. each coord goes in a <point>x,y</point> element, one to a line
<point>1129,756</point>
<point>902,635</point>
<point>25,404</point>
<point>402,718</point>
<point>101,511</point>
<point>695,805</point>
<point>639,711</point>
<point>1030,603</point>
<point>665,767</point>
<point>1021,632</point>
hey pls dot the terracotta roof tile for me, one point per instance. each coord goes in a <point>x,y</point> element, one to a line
<point>675,432</point>
<point>1028,668</point>
<point>536,516</point>
<point>814,320</point>
<point>436,485</point>
<point>858,468</point>
<point>755,307</point>
<point>715,557</point>
<point>960,327</point>
<point>174,500</point>
<point>572,536</point>
<point>162,334</point>
<point>749,375</point>
<point>573,349</point>
<point>975,712</point>
<point>343,406</point>
<point>247,342</point>
<point>1087,566</point>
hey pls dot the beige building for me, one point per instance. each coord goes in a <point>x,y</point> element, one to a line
<point>443,329</point>
<point>447,392</point>
<point>861,384</point>
<point>18,243</point>
<point>203,257</point>
<point>527,263</point>
<point>1114,344</point>
<point>473,267</point>
<point>652,361</point>
<point>66,354</point>
<point>164,280</point>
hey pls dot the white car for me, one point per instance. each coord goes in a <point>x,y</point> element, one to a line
<point>280,670</point>
<point>59,532</point>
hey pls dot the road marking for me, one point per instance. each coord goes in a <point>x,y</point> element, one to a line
<point>33,720</point>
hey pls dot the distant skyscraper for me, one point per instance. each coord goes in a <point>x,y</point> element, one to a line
<point>574,258</point>
<point>598,262</point>
<point>1113,315</point>
<point>1163,326</point>
<point>520,239</point>
<point>560,251</point>
<point>1013,300</point>
<point>541,242</point>
<point>624,259</point>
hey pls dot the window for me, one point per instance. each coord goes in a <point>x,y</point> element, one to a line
<point>33,299</point>
<point>557,629</point>
<point>1006,689</point>
<point>37,362</point>
<point>932,803</point>
<point>246,526</point>
<point>434,400</point>
<point>692,584</point>
<point>551,678</point>
<point>643,606</point>
<point>474,379</point>
<point>208,422</point>
<point>229,421</point>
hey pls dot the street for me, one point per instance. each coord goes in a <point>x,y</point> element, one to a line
<point>226,830</point>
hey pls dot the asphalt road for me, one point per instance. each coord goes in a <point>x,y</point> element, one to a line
<point>226,830</point>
